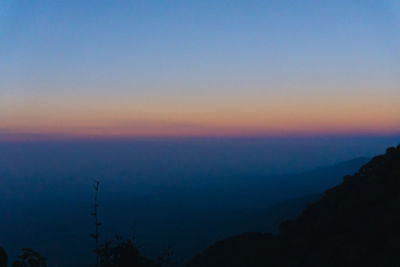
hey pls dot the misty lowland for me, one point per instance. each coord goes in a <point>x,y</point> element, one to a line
<point>200,202</point>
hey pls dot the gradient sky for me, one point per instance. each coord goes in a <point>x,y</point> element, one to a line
<point>145,68</point>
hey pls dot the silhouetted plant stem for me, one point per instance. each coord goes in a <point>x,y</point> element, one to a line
<point>95,235</point>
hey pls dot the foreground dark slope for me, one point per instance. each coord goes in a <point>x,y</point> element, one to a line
<point>354,224</point>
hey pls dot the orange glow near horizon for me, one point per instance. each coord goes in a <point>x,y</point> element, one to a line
<point>269,117</point>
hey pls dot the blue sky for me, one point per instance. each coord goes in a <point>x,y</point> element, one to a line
<point>143,67</point>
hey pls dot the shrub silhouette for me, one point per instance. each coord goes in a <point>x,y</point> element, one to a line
<point>30,258</point>
<point>3,258</point>
<point>122,253</point>
<point>166,259</point>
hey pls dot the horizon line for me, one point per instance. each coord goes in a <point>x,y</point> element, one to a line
<point>8,137</point>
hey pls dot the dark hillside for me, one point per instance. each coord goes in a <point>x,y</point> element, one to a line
<point>354,224</point>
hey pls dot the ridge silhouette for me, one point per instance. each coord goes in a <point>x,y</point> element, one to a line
<point>356,223</point>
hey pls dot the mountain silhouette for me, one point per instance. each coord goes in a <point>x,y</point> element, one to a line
<point>356,223</point>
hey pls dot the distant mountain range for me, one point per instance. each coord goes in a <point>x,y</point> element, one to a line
<point>356,223</point>
<point>186,222</point>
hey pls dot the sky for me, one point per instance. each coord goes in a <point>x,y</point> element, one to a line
<point>199,68</point>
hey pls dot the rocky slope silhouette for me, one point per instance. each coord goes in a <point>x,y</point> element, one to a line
<point>356,223</point>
